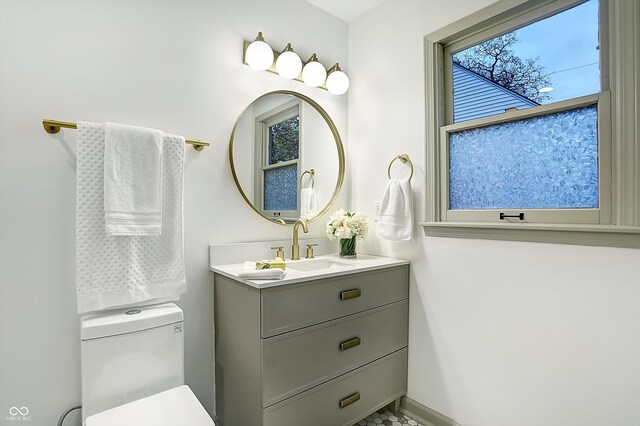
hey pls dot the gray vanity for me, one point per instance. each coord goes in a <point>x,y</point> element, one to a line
<point>326,346</point>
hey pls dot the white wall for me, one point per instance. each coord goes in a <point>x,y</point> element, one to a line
<point>319,152</point>
<point>501,333</point>
<point>173,65</point>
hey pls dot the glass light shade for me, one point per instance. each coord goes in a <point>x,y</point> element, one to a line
<point>314,74</point>
<point>288,65</point>
<point>259,55</point>
<point>337,83</point>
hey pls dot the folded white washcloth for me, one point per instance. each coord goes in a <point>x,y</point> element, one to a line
<point>308,203</point>
<point>249,272</point>
<point>132,180</point>
<point>396,211</point>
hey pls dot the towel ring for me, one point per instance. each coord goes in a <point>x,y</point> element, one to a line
<point>310,172</point>
<point>404,158</point>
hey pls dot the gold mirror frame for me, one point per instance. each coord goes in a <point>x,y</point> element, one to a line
<point>336,137</point>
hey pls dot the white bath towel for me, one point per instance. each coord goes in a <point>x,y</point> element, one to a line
<point>132,180</point>
<point>249,272</point>
<point>396,211</point>
<point>308,203</point>
<point>120,270</point>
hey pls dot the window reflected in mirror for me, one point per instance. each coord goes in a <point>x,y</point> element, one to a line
<point>279,157</point>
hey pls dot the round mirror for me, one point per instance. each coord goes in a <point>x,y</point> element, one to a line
<point>286,157</point>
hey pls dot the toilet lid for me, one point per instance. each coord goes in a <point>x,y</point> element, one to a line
<point>175,407</point>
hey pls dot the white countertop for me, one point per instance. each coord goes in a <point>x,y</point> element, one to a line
<point>362,263</point>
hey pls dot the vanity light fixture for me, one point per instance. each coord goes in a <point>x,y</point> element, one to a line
<point>289,66</point>
<point>337,81</point>
<point>314,73</point>
<point>288,63</point>
<point>259,55</point>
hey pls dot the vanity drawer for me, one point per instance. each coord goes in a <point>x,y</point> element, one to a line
<point>296,361</point>
<point>295,306</point>
<point>359,392</point>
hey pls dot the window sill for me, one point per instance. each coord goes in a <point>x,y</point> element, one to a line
<point>590,235</point>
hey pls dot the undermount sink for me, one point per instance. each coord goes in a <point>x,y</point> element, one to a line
<point>316,265</point>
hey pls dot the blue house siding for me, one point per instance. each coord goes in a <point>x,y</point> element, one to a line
<point>475,96</point>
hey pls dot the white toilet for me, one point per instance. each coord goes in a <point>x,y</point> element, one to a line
<point>133,369</point>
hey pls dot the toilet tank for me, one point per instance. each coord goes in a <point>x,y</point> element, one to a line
<point>128,354</point>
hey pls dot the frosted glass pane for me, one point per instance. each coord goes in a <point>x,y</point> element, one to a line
<point>281,188</point>
<point>549,161</point>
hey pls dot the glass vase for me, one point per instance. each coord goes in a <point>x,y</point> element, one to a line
<point>348,247</point>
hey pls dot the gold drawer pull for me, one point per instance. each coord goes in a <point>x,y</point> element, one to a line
<point>350,400</point>
<point>351,343</point>
<point>350,294</point>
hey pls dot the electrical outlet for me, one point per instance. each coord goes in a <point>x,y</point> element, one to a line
<point>377,205</point>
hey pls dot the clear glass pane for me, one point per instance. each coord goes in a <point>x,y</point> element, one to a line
<point>550,60</point>
<point>284,139</point>
<point>549,161</point>
<point>281,188</point>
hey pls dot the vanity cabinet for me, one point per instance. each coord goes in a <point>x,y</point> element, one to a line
<point>324,352</point>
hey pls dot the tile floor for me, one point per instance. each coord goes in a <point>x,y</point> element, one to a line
<point>385,417</point>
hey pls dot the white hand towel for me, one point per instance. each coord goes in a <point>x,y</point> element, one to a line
<point>133,180</point>
<point>308,203</point>
<point>396,211</point>
<point>119,270</point>
<point>249,272</point>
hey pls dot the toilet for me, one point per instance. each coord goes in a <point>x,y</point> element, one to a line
<point>133,369</point>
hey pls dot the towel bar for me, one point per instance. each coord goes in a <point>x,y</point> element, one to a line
<point>53,126</point>
<point>404,158</point>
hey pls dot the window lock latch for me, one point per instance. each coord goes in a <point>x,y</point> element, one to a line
<point>519,216</point>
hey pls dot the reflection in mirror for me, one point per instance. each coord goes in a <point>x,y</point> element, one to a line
<point>286,157</point>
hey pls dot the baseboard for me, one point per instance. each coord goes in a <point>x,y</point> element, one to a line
<point>425,415</point>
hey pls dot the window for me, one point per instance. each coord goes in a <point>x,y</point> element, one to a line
<point>540,165</point>
<point>279,160</point>
<point>521,123</point>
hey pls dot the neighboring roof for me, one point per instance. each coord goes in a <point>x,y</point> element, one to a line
<point>475,96</point>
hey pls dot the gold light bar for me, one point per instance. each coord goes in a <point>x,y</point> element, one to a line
<point>53,126</point>
<point>272,68</point>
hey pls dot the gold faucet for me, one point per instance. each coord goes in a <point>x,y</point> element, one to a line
<point>295,248</point>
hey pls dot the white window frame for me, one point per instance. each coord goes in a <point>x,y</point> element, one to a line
<point>616,221</point>
<point>262,124</point>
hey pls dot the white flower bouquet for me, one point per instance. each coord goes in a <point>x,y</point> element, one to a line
<point>347,227</point>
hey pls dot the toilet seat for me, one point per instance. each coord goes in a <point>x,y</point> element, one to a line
<point>175,407</point>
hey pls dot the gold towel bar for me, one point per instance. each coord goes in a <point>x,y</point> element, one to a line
<point>310,172</point>
<point>404,158</point>
<point>53,126</point>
